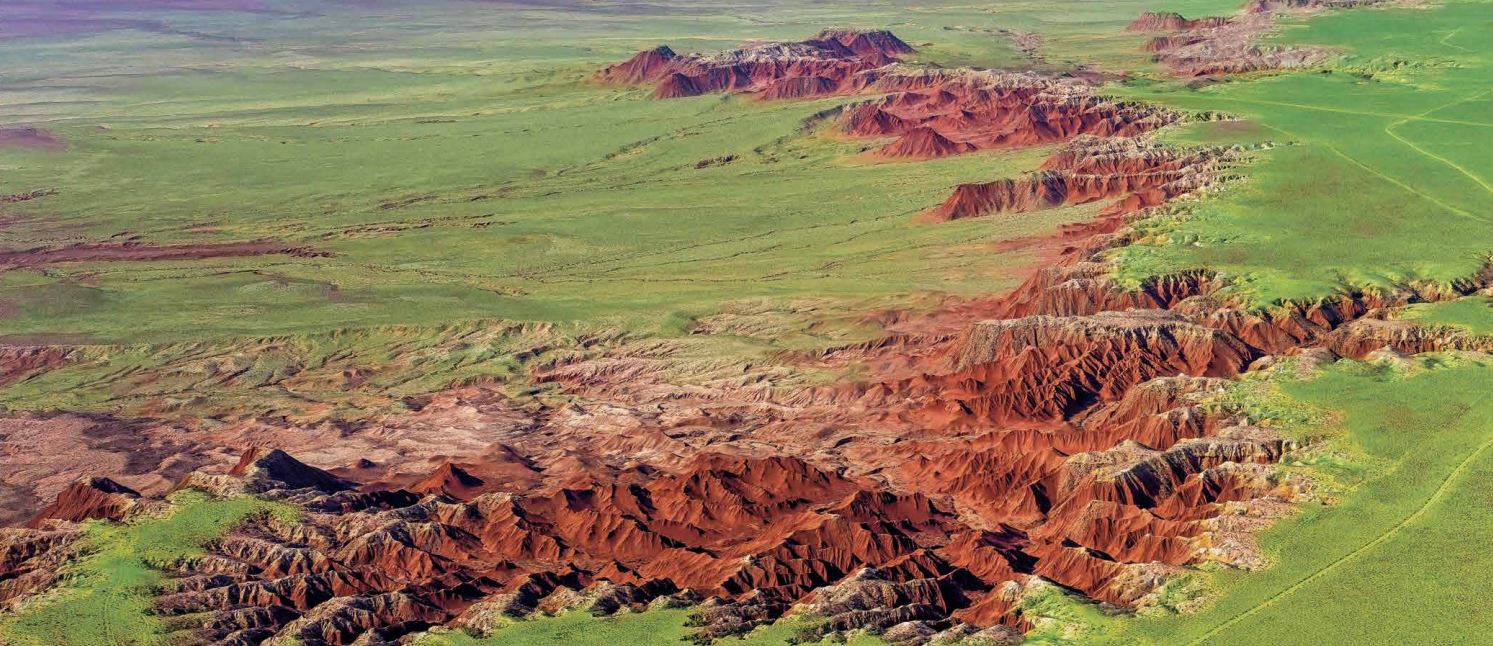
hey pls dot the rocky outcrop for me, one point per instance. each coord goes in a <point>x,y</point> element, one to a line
<point>1364,336</point>
<point>933,113</point>
<point>90,498</point>
<point>268,472</point>
<point>30,559</point>
<point>451,481</point>
<point>1051,368</point>
<point>828,63</point>
<point>1136,173</point>
<point>18,363</point>
<point>756,535</point>
<point>1172,21</point>
<point>1217,46</point>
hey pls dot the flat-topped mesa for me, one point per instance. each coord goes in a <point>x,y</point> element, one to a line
<point>826,64</point>
<point>938,113</point>
<point>1172,21</point>
<point>1139,173</point>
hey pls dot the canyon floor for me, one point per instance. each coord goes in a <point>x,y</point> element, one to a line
<point>454,322</point>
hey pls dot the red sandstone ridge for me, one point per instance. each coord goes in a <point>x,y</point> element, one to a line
<point>1215,46</point>
<point>756,535</point>
<point>1051,368</point>
<point>88,499</point>
<point>1172,21</point>
<point>941,112</point>
<point>18,363</point>
<point>647,65</point>
<point>828,63</point>
<point>925,142</point>
<point>1138,173</point>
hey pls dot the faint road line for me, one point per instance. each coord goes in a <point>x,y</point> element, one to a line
<point>1380,174</point>
<point>1449,36</point>
<point>1389,130</point>
<point>1362,113</point>
<point>1435,497</point>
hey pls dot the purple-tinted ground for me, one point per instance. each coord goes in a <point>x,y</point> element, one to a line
<point>30,18</point>
<point>30,138</point>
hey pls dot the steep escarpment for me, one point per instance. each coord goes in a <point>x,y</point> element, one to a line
<point>830,62</point>
<point>1172,21</point>
<point>933,113</point>
<point>29,560</point>
<point>92,498</point>
<point>1049,368</point>
<point>1136,173</point>
<point>1217,46</point>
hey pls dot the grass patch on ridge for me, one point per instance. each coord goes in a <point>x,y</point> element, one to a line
<point>105,595</point>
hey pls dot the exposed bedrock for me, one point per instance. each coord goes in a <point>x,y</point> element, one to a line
<point>1172,21</point>
<point>30,559</point>
<point>20,362</point>
<point>935,113</point>
<point>828,63</point>
<point>1065,436</point>
<point>1050,368</point>
<point>1217,46</point>
<point>756,535</point>
<point>1136,173</point>
<point>1370,334</point>
<point>92,498</point>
